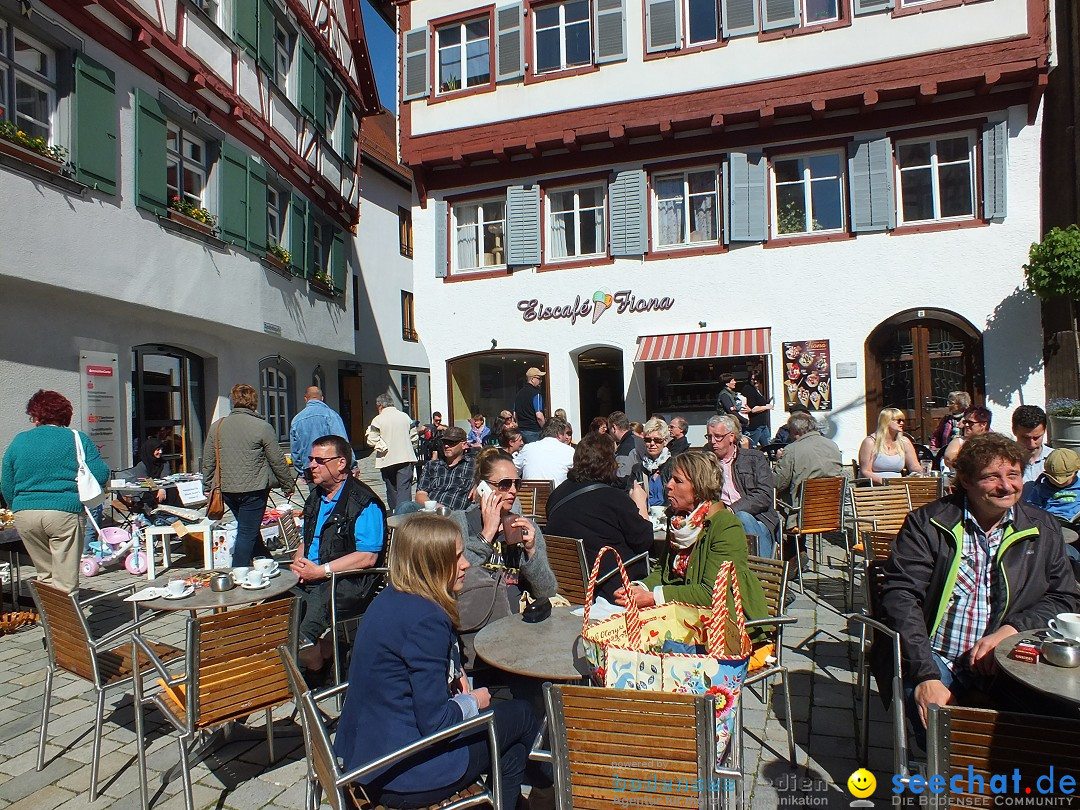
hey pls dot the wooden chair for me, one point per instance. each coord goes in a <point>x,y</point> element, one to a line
<point>566,555</point>
<point>975,744</point>
<point>820,510</point>
<point>540,492</point>
<point>878,544</point>
<point>879,509</point>
<point>72,648</point>
<point>343,791</point>
<point>921,490</point>
<point>231,670</point>
<point>601,737</point>
<point>289,533</point>
<point>772,574</point>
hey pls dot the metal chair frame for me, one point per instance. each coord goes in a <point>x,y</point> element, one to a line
<point>883,509</point>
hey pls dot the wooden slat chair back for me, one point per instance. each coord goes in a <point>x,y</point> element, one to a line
<point>541,490</point>
<point>599,735</point>
<point>968,742</point>
<point>821,507</point>
<point>291,539</point>
<point>67,635</point>
<point>878,544</point>
<point>526,499</point>
<point>881,509</point>
<point>921,491</point>
<point>566,555</point>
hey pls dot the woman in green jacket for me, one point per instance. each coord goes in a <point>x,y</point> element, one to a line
<point>703,534</point>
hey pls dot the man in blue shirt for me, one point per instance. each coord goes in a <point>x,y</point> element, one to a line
<point>344,528</point>
<point>317,419</point>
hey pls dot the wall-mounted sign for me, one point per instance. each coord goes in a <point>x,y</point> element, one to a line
<point>100,385</point>
<point>807,375</point>
<point>623,301</point>
<point>847,371</point>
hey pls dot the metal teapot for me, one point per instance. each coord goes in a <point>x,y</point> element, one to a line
<point>221,582</point>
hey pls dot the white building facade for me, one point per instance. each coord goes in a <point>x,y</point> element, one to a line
<point>200,226</point>
<point>639,195</point>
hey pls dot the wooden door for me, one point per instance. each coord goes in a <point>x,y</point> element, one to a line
<point>351,387</point>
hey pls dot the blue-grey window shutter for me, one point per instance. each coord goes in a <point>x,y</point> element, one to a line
<point>747,176</point>
<point>995,140</point>
<point>663,19</point>
<point>440,213</point>
<point>609,31</point>
<point>416,64</point>
<point>628,205</point>
<point>870,180</point>
<point>739,17</point>
<point>779,14</point>
<point>872,6</point>
<point>522,226</point>
<point>509,43</point>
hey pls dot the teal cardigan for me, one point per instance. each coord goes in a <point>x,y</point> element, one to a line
<point>39,470</point>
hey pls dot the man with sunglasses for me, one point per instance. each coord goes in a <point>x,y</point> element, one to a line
<point>448,480</point>
<point>549,458</point>
<point>344,528</point>
<point>975,422</point>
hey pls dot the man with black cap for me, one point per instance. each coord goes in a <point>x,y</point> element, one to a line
<point>448,480</point>
<point>529,406</point>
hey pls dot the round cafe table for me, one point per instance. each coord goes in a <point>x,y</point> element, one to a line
<point>550,650</point>
<point>206,599</point>
<point>1062,683</point>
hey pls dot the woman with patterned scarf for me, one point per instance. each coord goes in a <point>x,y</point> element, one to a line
<point>656,463</point>
<point>702,535</point>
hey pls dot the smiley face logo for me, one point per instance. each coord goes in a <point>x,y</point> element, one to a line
<point>861,783</point>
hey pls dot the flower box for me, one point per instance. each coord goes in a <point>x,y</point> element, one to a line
<point>190,222</point>
<point>278,263</point>
<point>324,288</point>
<point>30,156</point>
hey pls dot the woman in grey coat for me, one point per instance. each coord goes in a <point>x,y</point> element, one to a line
<point>251,460</point>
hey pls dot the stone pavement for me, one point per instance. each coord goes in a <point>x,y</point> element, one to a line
<point>237,775</point>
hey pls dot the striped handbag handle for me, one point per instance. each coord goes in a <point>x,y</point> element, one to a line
<point>717,623</point>
<point>632,616</point>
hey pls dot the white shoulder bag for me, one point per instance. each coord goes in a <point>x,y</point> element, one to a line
<point>90,492</point>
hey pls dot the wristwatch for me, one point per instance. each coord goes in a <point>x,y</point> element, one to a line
<point>326,570</point>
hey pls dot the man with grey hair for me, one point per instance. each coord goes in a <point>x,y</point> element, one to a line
<point>748,485</point>
<point>809,455</point>
<point>679,443</point>
<point>393,436</point>
<point>551,457</point>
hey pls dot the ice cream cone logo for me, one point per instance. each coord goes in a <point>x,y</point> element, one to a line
<point>601,301</point>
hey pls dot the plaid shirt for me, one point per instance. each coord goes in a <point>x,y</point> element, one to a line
<point>448,485</point>
<point>968,614</point>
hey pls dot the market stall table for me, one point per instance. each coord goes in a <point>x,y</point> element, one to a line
<point>1062,683</point>
<point>12,544</point>
<point>206,599</point>
<point>550,650</point>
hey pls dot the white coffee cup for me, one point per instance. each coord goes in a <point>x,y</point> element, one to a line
<point>240,573</point>
<point>430,505</point>
<point>177,587</point>
<point>255,577</point>
<point>265,564</point>
<point>1067,625</point>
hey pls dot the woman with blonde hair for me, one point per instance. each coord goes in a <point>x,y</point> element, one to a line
<point>887,452</point>
<point>406,681</point>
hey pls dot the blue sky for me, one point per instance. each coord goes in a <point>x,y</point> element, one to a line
<point>381,44</point>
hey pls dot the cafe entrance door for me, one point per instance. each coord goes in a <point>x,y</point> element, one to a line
<point>914,359</point>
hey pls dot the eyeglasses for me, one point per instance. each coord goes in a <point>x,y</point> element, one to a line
<point>653,440</point>
<point>506,484</point>
<point>714,438</point>
<point>970,422</point>
<point>323,461</point>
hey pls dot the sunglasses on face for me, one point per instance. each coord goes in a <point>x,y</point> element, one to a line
<point>970,422</point>
<point>506,484</point>
<point>653,440</point>
<point>324,461</point>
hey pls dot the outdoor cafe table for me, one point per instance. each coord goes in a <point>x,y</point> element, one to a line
<point>206,599</point>
<point>550,650</point>
<point>1062,683</point>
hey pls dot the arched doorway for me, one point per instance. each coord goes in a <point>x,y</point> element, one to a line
<point>600,384</point>
<point>914,359</point>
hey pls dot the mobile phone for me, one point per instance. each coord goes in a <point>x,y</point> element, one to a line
<point>483,488</point>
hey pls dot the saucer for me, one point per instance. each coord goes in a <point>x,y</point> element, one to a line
<point>188,591</point>
<point>247,586</point>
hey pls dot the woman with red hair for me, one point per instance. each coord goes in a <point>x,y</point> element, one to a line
<point>38,482</point>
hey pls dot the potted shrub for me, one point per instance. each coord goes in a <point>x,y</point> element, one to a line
<point>1053,271</point>
<point>189,214</point>
<point>1064,416</point>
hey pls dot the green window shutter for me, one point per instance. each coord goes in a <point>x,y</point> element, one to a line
<point>321,70</point>
<point>266,36</point>
<point>345,126</point>
<point>337,260</point>
<point>298,215</point>
<point>150,188</point>
<point>306,74</point>
<point>95,125</point>
<point>256,208</point>
<point>246,26</point>
<point>234,202</point>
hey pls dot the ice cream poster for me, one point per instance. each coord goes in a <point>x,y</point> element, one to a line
<point>591,308</point>
<point>808,375</point>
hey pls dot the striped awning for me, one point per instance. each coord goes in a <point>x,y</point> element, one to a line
<point>702,345</point>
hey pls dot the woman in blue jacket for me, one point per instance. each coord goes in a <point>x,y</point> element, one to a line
<point>406,681</point>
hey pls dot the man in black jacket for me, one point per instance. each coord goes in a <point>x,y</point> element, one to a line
<point>748,482</point>
<point>969,571</point>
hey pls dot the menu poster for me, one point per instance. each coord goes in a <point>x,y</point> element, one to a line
<point>808,375</point>
<point>100,384</point>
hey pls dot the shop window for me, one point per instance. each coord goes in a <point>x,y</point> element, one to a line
<point>808,194</point>
<point>167,385</point>
<point>464,55</point>
<point>576,223</point>
<point>277,384</point>
<point>408,318</point>
<point>487,382</point>
<point>936,178</point>
<point>409,394</point>
<point>405,236</point>
<point>563,35</point>
<point>686,208</point>
<point>478,235</point>
<point>682,386</point>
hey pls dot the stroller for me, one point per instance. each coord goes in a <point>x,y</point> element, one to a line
<point>111,544</point>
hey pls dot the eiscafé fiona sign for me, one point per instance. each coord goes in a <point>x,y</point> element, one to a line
<point>623,301</point>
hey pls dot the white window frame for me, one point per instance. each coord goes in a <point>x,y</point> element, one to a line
<point>686,25</point>
<point>283,52</point>
<point>278,209</point>
<point>332,98</point>
<point>577,210</point>
<point>12,74</point>
<point>184,162</point>
<point>210,8</point>
<point>684,174</point>
<point>808,23</point>
<point>561,27</point>
<point>482,223</point>
<point>462,48</point>
<point>277,384</point>
<point>320,248</point>
<point>935,181</point>
<point>808,197</point>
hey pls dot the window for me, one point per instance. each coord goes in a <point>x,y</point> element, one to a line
<point>331,104</point>
<point>283,55</point>
<point>576,223</point>
<point>207,7</point>
<point>563,35</point>
<point>702,22</point>
<point>320,249</point>
<point>276,377</point>
<point>408,318</point>
<point>820,11</point>
<point>405,231</point>
<point>936,178</point>
<point>408,394</point>
<point>464,55</point>
<point>478,235</point>
<point>808,194</point>
<point>277,203</point>
<point>167,389</point>
<point>28,77</point>
<point>687,205</point>
<point>185,158</point>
